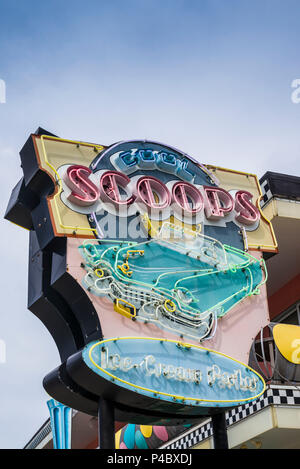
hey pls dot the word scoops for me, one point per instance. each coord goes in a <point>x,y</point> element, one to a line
<point>86,189</point>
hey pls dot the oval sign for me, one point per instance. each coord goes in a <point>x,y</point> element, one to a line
<point>174,371</point>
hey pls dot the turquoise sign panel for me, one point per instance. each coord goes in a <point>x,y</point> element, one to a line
<point>174,371</point>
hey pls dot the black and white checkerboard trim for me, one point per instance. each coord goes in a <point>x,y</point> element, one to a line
<point>272,395</point>
<point>266,192</point>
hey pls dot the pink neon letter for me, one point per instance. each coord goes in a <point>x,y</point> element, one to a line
<point>187,197</point>
<point>153,192</point>
<point>248,214</point>
<point>84,192</point>
<point>218,202</point>
<point>110,182</point>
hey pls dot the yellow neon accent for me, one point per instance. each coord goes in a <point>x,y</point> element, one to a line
<point>125,266</point>
<point>154,233</point>
<point>150,228</point>
<point>133,251</point>
<point>164,393</point>
<point>49,137</point>
<point>124,308</point>
<point>287,339</point>
<point>184,345</point>
<point>170,306</point>
<point>100,274</point>
<point>125,269</point>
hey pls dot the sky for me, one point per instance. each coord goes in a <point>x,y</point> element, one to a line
<point>210,77</point>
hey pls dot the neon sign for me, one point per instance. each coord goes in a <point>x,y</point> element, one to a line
<point>139,239</point>
<point>155,195</point>
<point>174,371</point>
<point>169,283</point>
<point>150,366</point>
<point>131,160</point>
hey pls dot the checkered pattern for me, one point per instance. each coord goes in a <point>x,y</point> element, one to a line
<point>266,192</point>
<point>272,396</point>
<point>191,439</point>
